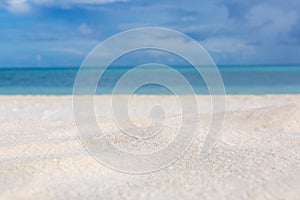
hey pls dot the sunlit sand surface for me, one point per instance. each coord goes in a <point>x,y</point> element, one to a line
<point>257,155</point>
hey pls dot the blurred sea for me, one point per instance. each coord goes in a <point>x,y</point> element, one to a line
<point>237,80</point>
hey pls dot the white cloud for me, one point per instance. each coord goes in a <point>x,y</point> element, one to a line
<point>146,38</point>
<point>25,6</point>
<point>271,19</point>
<point>38,59</point>
<point>85,29</point>
<point>91,1</point>
<point>18,6</point>
<point>225,45</point>
<point>72,2</point>
<point>271,25</point>
<point>67,50</point>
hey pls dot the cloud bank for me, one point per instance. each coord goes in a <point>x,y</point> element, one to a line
<point>233,32</point>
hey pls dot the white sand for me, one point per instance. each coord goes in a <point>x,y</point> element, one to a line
<point>257,156</point>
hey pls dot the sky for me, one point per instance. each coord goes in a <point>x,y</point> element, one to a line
<point>53,33</point>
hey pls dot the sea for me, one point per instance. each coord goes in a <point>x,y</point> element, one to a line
<point>238,79</point>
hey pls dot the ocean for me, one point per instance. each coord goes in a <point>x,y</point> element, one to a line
<point>237,80</point>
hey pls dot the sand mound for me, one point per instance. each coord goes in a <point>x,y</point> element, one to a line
<point>273,118</point>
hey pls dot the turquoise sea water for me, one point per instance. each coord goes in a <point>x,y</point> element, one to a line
<point>237,80</point>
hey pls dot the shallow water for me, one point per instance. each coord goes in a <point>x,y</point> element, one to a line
<point>237,80</point>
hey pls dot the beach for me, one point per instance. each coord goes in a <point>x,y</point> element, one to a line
<point>256,156</point>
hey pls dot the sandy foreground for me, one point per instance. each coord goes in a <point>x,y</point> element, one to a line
<point>256,157</point>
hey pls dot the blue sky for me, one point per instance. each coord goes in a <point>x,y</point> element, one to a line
<point>52,33</point>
